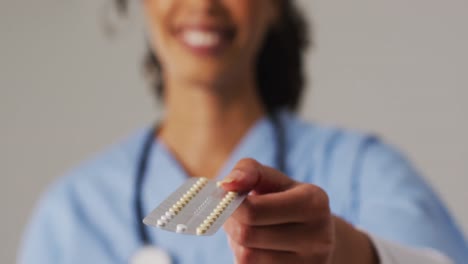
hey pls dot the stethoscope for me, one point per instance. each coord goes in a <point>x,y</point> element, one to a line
<point>149,253</point>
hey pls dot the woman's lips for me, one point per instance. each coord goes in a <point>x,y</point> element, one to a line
<point>199,38</point>
<point>205,40</point>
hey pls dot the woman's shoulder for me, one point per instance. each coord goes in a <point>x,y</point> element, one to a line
<point>320,140</point>
<point>348,164</point>
<point>326,152</point>
<point>92,196</point>
<point>115,161</point>
<point>103,175</point>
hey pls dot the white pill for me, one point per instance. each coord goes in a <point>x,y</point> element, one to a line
<point>212,217</point>
<point>200,231</point>
<point>160,223</point>
<point>164,218</point>
<point>169,215</point>
<point>176,209</point>
<point>218,213</point>
<point>201,182</point>
<point>181,228</point>
<point>215,215</point>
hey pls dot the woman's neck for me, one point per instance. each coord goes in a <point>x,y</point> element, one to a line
<point>202,127</point>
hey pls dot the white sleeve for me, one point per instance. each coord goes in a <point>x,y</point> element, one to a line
<point>393,253</point>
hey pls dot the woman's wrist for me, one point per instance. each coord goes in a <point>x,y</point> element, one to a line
<point>352,246</point>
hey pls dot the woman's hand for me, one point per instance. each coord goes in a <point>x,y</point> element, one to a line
<point>284,221</point>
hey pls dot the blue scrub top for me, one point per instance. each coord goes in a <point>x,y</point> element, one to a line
<point>88,216</point>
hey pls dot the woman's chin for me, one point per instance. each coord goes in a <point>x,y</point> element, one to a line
<point>206,74</point>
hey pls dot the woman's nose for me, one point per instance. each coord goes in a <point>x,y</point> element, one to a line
<point>204,6</point>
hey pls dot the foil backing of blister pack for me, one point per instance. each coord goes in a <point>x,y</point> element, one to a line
<point>197,207</point>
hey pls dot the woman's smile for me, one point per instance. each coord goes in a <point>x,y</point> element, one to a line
<point>204,39</point>
<point>213,43</point>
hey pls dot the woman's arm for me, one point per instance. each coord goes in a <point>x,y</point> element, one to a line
<point>286,221</point>
<point>394,203</point>
<point>60,232</point>
<point>356,245</point>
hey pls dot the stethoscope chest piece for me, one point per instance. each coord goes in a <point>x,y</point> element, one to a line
<point>150,255</point>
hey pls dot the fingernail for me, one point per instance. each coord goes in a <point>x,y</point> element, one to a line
<point>224,181</point>
<point>236,175</point>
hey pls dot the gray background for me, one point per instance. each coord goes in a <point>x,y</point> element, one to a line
<point>397,68</point>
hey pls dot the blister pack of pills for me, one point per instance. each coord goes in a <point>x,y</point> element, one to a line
<point>198,207</point>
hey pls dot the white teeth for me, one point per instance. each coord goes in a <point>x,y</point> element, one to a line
<point>199,38</point>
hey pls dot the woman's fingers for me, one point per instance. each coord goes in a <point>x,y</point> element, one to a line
<point>245,255</point>
<point>249,175</point>
<point>276,198</point>
<point>300,204</point>
<point>288,237</point>
<point>282,221</point>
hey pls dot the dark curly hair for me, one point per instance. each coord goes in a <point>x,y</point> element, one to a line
<point>280,65</point>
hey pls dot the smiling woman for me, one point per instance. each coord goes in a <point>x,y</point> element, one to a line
<point>230,75</point>
<point>278,63</point>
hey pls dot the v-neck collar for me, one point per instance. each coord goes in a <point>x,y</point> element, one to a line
<point>258,144</point>
<point>165,173</point>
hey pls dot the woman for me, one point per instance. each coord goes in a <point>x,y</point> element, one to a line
<point>231,75</point>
